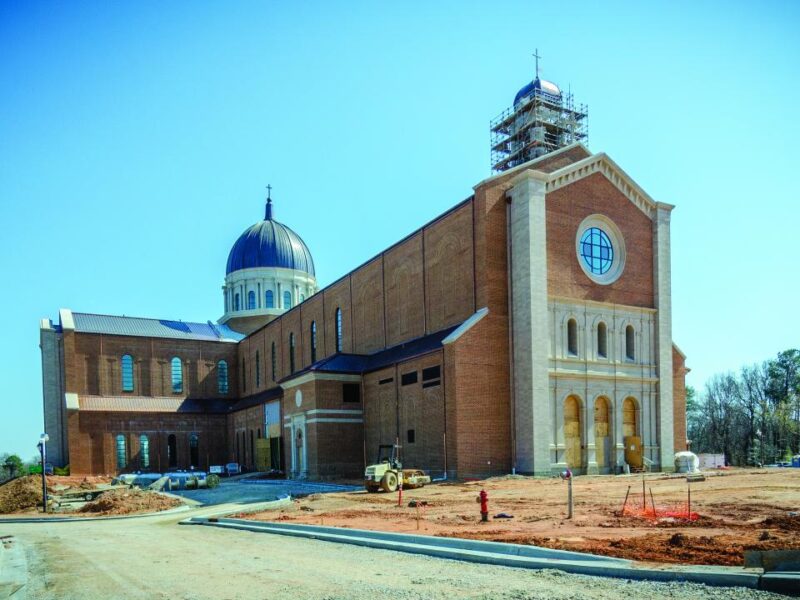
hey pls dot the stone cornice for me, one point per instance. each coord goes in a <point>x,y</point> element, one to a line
<point>564,300</point>
<point>601,163</point>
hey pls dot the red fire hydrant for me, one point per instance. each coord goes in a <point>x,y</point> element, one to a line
<point>483,498</point>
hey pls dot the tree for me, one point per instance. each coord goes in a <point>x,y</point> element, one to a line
<point>753,416</point>
<point>12,465</point>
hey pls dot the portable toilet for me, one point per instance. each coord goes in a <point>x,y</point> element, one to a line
<point>796,460</point>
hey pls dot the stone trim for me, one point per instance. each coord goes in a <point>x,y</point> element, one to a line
<point>609,305</point>
<point>71,401</point>
<point>66,319</point>
<point>465,326</point>
<point>300,380</point>
<point>601,163</point>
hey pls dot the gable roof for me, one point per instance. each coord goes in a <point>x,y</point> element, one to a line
<point>143,327</point>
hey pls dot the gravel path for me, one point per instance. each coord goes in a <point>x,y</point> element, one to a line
<point>153,557</point>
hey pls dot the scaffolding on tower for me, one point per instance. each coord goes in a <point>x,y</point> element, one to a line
<point>542,119</point>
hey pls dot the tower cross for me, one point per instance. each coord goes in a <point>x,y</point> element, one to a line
<point>269,192</point>
<point>537,57</point>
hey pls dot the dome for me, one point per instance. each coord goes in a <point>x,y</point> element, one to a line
<point>270,244</point>
<point>547,88</point>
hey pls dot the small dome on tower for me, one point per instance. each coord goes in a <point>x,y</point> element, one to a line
<point>269,243</point>
<point>547,88</point>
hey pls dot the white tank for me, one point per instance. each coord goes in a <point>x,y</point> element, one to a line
<point>687,462</point>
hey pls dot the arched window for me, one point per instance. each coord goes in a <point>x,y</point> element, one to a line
<point>122,455</point>
<point>172,451</point>
<point>236,301</point>
<point>338,329</point>
<point>602,340</point>
<point>274,364</point>
<point>287,299</point>
<point>177,375</point>
<point>270,299</point>
<point>291,353</point>
<point>251,300</point>
<point>194,449</point>
<point>313,342</point>
<point>144,451</point>
<point>258,369</point>
<point>222,377</point>
<point>572,337</point>
<point>630,348</point>
<point>127,373</point>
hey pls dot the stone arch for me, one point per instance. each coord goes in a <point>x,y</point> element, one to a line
<point>630,417</point>
<point>573,446</point>
<point>447,265</point>
<point>571,331</point>
<point>401,280</point>
<point>602,432</point>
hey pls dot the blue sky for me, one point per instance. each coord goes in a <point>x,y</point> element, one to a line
<point>136,141</point>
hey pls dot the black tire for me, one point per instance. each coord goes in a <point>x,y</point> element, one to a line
<point>372,489</point>
<point>88,497</point>
<point>389,482</point>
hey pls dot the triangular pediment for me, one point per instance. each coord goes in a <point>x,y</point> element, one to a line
<point>601,163</point>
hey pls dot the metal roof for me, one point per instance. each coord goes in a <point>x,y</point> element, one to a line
<point>542,86</point>
<point>270,244</point>
<point>359,364</point>
<point>160,328</point>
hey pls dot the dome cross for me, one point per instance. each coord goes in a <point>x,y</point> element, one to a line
<point>268,213</point>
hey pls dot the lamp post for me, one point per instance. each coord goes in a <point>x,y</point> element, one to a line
<point>42,445</point>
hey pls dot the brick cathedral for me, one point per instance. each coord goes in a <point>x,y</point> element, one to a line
<point>526,329</point>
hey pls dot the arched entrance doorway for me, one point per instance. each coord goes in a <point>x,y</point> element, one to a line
<point>629,427</point>
<point>630,434</point>
<point>573,453</point>
<point>602,440</point>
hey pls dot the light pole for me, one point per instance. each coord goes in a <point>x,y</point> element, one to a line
<point>42,445</point>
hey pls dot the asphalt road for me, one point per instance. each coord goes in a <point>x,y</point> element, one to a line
<point>154,557</point>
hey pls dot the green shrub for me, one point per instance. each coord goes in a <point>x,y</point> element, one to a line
<point>212,480</point>
<point>61,471</point>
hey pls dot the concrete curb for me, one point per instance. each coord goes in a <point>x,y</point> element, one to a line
<point>177,509</point>
<point>303,485</point>
<point>242,508</point>
<point>510,555</point>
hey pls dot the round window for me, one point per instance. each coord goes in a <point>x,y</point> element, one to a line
<point>600,249</point>
<point>597,251</point>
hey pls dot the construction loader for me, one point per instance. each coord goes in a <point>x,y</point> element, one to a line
<point>387,473</point>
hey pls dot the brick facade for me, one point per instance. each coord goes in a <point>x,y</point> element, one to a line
<point>434,279</point>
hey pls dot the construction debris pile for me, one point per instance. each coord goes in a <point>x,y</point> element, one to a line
<point>129,501</point>
<point>21,494</point>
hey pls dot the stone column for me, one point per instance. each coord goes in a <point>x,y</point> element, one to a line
<point>663,295</point>
<point>619,442</point>
<point>530,322</point>
<point>591,450</point>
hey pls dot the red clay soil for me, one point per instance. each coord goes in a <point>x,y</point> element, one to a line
<point>21,494</point>
<point>128,502</point>
<point>732,512</point>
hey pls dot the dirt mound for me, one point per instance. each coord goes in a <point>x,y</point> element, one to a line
<point>787,523</point>
<point>21,494</point>
<point>126,502</point>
